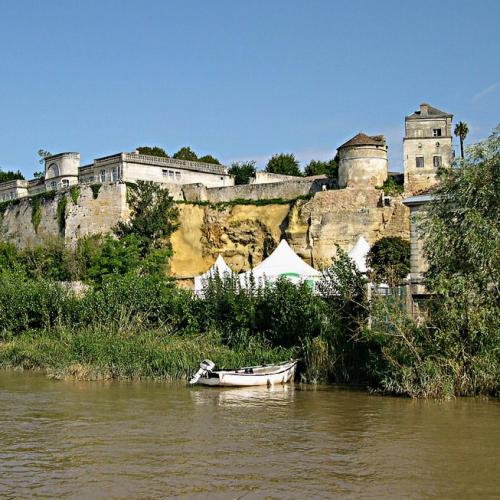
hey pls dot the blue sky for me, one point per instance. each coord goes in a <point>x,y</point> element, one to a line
<point>239,80</point>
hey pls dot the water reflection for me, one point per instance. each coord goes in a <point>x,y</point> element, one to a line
<point>147,440</point>
<point>244,396</point>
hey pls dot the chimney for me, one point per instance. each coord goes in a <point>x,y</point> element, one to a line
<point>424,109</point>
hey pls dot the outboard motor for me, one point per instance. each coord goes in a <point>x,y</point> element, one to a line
<point>205,366</point>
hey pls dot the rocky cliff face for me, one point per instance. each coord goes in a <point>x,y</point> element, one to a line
<point>245,234</point>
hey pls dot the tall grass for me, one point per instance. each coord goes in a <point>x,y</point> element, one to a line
<point>109,352</point>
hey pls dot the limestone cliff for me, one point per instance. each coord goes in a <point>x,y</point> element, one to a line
<point>245,234</point>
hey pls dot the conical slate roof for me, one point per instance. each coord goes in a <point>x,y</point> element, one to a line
<point>364,140</point>
<point>358,254</point>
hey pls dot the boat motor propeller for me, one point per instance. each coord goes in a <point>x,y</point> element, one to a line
<point>205,366</point>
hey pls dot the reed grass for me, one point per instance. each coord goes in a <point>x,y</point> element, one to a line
<point>126,353</point>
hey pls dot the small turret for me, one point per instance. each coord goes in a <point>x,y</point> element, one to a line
<point>363,161</point>
<point>61,170</point>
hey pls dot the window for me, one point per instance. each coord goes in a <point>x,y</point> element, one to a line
<point>437,161</point>
<point>65,183</point>
<point>436,132</point>
<point>114,174</point>
<point>103,175</point>
<point>53,185</point>
<point>177,176</point>
<point>164,173</point>
<point>420,162</point>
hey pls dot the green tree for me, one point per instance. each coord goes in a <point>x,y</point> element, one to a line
<point>285,164</point>
<point>152,151</point>
<point>317,167</point>
<point>153,215</point>
<point>389,260</point>
<point>461,131</point>
<point>185,153</point>
<point>10,175</point>
<point>461,230</point>
<point>43,154</point>
<point>242,171</point>
<point>343,288</point>
<point>209,159</point>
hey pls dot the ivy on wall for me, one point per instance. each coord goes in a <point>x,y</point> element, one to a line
<point>74,191</point>
<point>36,207</point>
<point>95,190</point>
<point>61,213</point>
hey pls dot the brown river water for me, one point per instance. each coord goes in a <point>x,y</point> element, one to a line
<point>149,440</point>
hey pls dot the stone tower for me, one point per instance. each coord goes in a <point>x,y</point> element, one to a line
<point>363,161</point>
<point>426,147</point>
<point>61,170</point>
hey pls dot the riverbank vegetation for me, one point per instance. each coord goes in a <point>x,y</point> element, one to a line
<point>130,320</point>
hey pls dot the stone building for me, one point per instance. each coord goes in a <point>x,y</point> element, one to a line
<point>63,170</point>
<point>363,161</point>
<point>427,146</point>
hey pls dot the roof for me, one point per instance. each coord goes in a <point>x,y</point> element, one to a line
<point>364,140</point>
<point>431,111</point>
<point>283,262</point>
<point>418,200</point>
<point>219,268</point>
<point>358,254</point>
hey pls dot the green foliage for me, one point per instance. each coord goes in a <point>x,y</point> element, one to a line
<point>153,215</point>
<point>317,167</point>
<point>284,164</point>
<point>389,260</point>
<point>103,352</point>
<point>461,131</point>
<point>242,171</point>
<point>95,190</point>
<point>185,153</point>
<point>343,288</point>
<point>209,159</point>
<point>152,151</point>
<point>74,192</point>
<point>36,212</point>
<point>27,303</point>
<point>39,175</point>
<point>61,213</point>
<point>9,256</point>
<point>462,243</point>
<point>10,175</point>
<point>392,186</point>
<point>43,154</point>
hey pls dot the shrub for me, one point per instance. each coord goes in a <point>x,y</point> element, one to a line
<point>95,190</point>
<point>389,260</point>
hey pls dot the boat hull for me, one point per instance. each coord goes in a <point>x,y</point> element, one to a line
<point>282,375</point>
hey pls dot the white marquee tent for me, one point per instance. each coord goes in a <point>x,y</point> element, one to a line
<point>358,254</point>
<point>282,262</point>
<point>220,268</point>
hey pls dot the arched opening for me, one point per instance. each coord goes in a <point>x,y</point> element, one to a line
<point>52,171</point>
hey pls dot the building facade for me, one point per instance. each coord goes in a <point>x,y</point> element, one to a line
<point>427,146</point>
<point>63,171</point>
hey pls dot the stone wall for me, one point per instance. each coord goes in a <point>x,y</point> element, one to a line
<point>244,234</point>
<point>87,216</point>
<point>284,190</point>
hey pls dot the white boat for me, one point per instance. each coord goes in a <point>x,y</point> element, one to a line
<point>247,376</point>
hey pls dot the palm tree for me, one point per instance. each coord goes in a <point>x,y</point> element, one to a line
<point>461,131</point>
